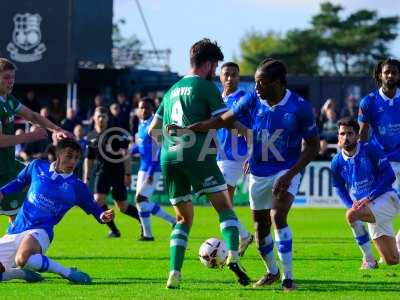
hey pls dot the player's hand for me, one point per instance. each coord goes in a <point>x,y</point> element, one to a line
<point>127,180</point>
<point>149,179</point>
<point>63,134</point>
<point>176,130</point>
<point>282,184</point>
<point>37,134</point>
<point>360,203</point>
<point>107,216</point>
<point>246,167</point>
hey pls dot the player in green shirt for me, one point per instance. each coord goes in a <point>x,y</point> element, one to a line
<point>9,108</point>
<point>187,165</point>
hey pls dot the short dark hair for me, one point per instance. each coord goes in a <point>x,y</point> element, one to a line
<point>273,69</point>
<point>101,110</point>
<point>68,143</point>
<point>205,50</point>
<point>378,69</point>
<point>6,65</point>
<point>349,122</point>
<point>148,100</point>
<point>231,64</point>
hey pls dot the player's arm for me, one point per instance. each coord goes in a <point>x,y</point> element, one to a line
<point>225,120</point>
<point>340,185</point>
<point>385,172</point>
<point>90,155</point>
<point>7,140</point>
<point>89,205</point>
<point>364,119</point>
<point>36,118</point>
<point>155,130</point>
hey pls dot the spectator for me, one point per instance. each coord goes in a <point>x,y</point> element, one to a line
<point>125,109</point>
<point>71,120</point>
<point>57,110</point>
<point>79,134</point>
<point>329,127</point>
<point>351,108</point>
<point>329,104</point>
<point>31,102</point>
<point>34,150</point>
<point>133,118</point>
<point>97,101</point>
<point>115,119</point>
<point>45,112</point>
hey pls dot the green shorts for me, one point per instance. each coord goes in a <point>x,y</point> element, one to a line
<point>201,177</point>
<point>10,204</point>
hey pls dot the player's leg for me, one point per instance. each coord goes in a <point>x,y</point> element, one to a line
<point>8,271</point>
<point>281,204</point>
<point>10,205</point>
<point>30,255</point>
<point>146,208</point>
<point>260,198</point>
<point>102,186</point>
<point>362,237</point>
<point>120,196</point>
<point>387,249</point>
<point>232,171</point>
<point>179,192</point>
<point>396,185</point>
<point>207,179</point>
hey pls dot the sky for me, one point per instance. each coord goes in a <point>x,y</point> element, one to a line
<point>177,24</point>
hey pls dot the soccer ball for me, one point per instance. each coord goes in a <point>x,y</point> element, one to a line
<point>213,253</point>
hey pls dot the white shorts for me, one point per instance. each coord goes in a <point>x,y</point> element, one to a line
<point>260,189</point>
<point>232,170</point>
<point>142,187</point>
<point>10,243</point>
<point>384,208</point>
<point>396,168</point>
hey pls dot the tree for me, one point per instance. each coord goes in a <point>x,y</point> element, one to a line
<point>353,44</point>
<point>333,44</point>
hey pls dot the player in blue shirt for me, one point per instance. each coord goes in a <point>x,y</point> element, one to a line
<point>362,169</point>
<point>380,110</point>
<point>232,150</point>
<point>279,121</point>
<point>53,190</point>
<point>149,171</point>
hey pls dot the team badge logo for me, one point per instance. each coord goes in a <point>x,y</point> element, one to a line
<point>26,45</point>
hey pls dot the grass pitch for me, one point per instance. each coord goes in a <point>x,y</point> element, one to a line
<point>326,262</point>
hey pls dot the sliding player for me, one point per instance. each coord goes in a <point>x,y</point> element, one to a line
<point>53,191</point>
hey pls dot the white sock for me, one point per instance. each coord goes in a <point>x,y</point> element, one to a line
<point>13,273</point>
<point>283,239</point>
<point>266,250</point>
<point>144,209</point>
<point>362,238</point>
<point>398,241</point>
<point>41,263</point>
<point>243,233</point>
<point>161,213</point>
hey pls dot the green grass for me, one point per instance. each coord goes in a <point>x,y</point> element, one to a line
<point>326,262</point>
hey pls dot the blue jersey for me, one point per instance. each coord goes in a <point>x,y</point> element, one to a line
<point>277,131</point>
<point>383,115</point>
<point>232,147</point>
<point>49,197</point>
<point>366,174</point>
<point>147,148</point>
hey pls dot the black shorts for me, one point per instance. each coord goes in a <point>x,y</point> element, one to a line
<point>104,182</point>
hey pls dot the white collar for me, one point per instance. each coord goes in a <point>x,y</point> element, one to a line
<point>384,97</point>
<point>225,98</point>
<point>52,168</point>
<point>280,103</point>
<point>346,158</point>
<point>191,75</point>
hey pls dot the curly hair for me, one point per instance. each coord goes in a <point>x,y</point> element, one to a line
<point>273,69</point>
<point>378,69</point>
<point>205,50</point>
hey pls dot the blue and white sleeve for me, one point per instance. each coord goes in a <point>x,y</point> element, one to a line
<point>18,184</point>
<point>363,112</point>
<point>86,201</point>
<point>242,108</point>
<point>340,185</point>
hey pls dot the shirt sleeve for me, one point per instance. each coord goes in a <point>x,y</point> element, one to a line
<point>363,112</point>
<point>214,100</point>
<point>308,125</point>
<point>242,108</point>
<point>23,179</point>
<point>160,111</point>
<point>86,201</point>
<point>90,152</point>
<point>340,185</point>
<point>385,172</point>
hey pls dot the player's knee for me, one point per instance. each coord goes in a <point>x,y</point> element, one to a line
<point>278,218</point>
<point>351,216</point>
<point>392,260</point>
<point>122,206</point>
<point>21,259</point>
<point>184,220</point>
